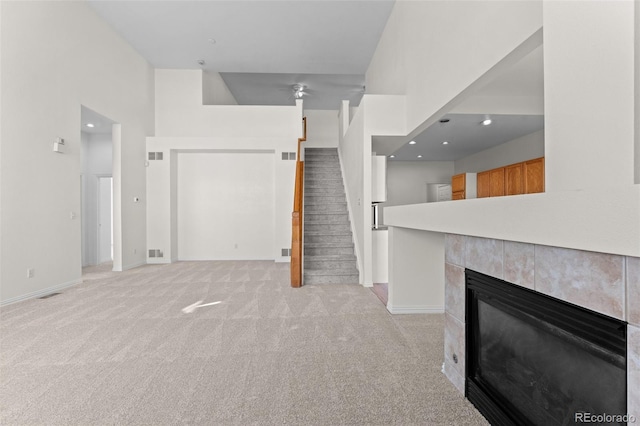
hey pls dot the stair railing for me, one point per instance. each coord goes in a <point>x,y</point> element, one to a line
<point>296,217</point>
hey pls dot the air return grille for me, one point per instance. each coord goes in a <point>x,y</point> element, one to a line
<point>156,253</point>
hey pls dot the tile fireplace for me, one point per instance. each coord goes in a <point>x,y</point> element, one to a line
<point>606,284</point>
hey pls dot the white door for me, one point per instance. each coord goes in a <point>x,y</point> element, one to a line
<point>105,239</point>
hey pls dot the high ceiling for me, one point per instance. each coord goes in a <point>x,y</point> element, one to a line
<point>262,48</point>
<point>514,100</point>
<point>259,47</point>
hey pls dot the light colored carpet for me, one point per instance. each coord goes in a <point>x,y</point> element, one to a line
<point>118,350</point>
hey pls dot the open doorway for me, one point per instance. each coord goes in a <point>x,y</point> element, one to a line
<point>97,190</point>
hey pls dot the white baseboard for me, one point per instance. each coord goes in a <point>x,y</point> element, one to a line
<point>133,265</point>
<point>40,293</point>
<point>415,309</point>
<point>156,261</point>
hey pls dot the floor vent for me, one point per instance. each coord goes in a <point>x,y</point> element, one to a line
<point>49,295</point>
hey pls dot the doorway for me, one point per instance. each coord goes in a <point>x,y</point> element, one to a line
<point>97,194</point>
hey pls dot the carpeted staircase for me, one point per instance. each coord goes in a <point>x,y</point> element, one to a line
<point>328,245</point>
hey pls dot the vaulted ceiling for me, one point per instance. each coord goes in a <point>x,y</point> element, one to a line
<point>261,48</point>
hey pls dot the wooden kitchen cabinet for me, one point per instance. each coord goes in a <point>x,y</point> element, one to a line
<point>534,176</point>
<point>484,184</point>
<point>514,179</point>
<point>497,182</point>
<point>463,186</point>
<point>526,177</point>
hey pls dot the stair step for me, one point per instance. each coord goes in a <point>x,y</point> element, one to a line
<point>330,265</point>
<point>328,257</point>
<point>323,198</point>
<point>321,151</point>
<point>326,218</point>
<point>322,227</point>
<point>328,208</point>
<point>328,239</point>
<point>323,159</point>
<point>323,176</point>
<point>329,232</point>
<point>325,250</point>
<point>322,190</point>
<point>331,279</point>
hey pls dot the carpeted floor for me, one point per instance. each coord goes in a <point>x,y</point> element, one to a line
<point>118,350</point>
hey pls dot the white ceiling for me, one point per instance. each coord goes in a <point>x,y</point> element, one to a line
<point>522,84</point>
<point>328,42</point>
<point>101,124</point>
<point>466,136</point>
<point>261,48</point>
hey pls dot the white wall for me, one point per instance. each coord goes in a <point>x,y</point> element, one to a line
<point>179,111</point>
<point>376,115</point>
<point>591,201</point>
<point>433,50</point>
<point>637,95</point>
<point>416,272</point>
<point>184,125</point>
<point>57,56</point>
<point>589,94</point>
<point>523,148</point>
<point>97,160</point>
<point>215,90</point>
<point>322,129</point>
<point>226,206</point>
<point>406,180</point>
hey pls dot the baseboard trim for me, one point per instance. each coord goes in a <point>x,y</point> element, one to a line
<point>40,293</point>
<point>156,261</point>
<point>424,309</point>
<point>133,265</point>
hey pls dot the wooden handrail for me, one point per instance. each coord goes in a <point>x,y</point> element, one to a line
<point>296,217</point>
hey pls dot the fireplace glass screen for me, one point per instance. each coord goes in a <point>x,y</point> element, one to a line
<point>536,360</point>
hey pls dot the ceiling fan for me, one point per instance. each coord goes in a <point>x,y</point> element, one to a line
<point>298,90</point>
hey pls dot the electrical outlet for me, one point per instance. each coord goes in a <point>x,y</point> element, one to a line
<point>31,272</point>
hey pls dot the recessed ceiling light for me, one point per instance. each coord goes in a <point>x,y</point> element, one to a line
<point>392,156</point>
<point>412,143</point>
<point>486,122</point>
<point>419,156</point>
<point>90,125</point>
<point>445,143</point>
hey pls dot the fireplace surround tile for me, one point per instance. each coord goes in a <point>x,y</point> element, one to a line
<point>456,379</point>
<point>589,279</point>
<point>596,281</point>
<point>454,252</point>
<point>454,344</point>
<point>485,255</point>
<point>633,370</point>
<point>454,291</point>
<point>633,290</point>
<point>519,263</point>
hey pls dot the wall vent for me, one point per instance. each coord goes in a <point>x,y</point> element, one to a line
<point>156,253</point>
<point>289,156</point>
<point>286,252</point>
<point>155,156</point>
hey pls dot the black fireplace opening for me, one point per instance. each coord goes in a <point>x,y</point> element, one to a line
<point>535,360</point>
